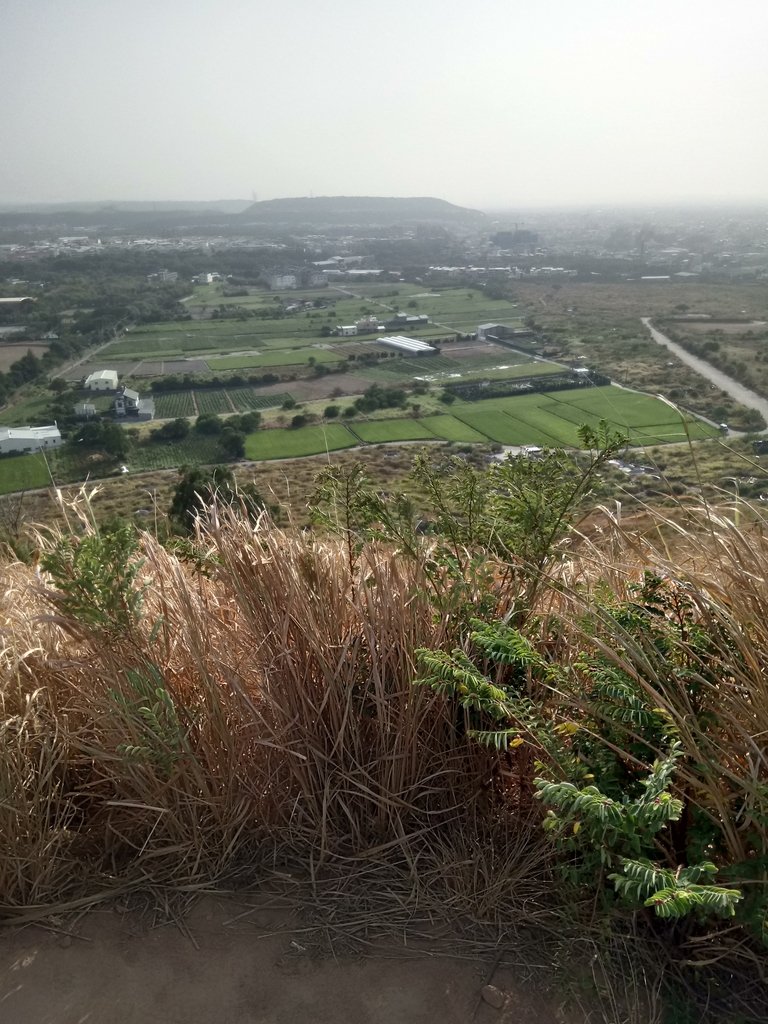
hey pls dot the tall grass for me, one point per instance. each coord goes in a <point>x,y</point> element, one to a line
<point>260,711</point>
<point>261,703</point>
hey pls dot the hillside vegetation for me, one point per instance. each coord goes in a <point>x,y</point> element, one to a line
<point>483,715</point>
<point>361,210</point>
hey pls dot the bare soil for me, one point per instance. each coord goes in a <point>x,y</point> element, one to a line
<point>229,963</point>
<point>11,351</point>
<point>312,389</point>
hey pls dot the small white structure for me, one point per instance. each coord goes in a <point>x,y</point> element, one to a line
<point>102,380</point>
<point>411,346</point>
<point>28,439</point>
<point>348,331</point>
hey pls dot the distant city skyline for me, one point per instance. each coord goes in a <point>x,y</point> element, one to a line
<point>494,105</point>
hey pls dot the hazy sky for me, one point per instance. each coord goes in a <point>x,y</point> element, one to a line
<point>482,102</point>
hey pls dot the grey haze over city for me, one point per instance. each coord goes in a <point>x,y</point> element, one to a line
<point>495,103</point>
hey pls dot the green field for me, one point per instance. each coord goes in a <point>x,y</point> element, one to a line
<point>288,443</point>
<point>505,429</point>
<point>22,473</point>
<point>275,357</point>
<point>542,419</point>
<point>453,309</point>
<point>643,417</point>
<point>381,431</point>
<point>450,429</point>
<point>448,370</point>
<point>548,420</point>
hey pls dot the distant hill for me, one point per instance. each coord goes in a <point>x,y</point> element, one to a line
<point>127,206</point>
<point>360,211</point>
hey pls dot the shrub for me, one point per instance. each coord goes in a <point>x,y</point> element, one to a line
<point>173,430</point>
<point>208,423</point>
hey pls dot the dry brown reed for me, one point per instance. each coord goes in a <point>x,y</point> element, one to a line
<point>261,713</point>
<point>261,707</point>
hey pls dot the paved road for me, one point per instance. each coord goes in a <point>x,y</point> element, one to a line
<point>732,387</point>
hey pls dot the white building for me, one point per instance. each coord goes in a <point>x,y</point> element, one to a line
<point>281,282</point>
<point>348,331</point>
<point>102,380</point>
<point>129,403</point>
<point>367,325</point>
<point>126,402</point>
<point>28,439</point>
<point>410,346</point>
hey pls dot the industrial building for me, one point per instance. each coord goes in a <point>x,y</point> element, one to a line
<point>102,380</point>
<point>409,346</point>
<point>28,439</point>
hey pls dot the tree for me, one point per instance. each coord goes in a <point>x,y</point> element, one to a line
<point>201,486</point>
<point>331,412</point>
<point>250,421</point>
<point>232,443</point>
<point>299,421</point>
<point>208,423</point>
<point>102,435</point>
<point>173,430</point>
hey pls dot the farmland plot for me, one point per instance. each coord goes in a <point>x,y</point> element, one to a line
<point>381,431</point>
<point>212,400</point>
<point>288,443</point>
<point>246,399</point>
<point>169,405</point>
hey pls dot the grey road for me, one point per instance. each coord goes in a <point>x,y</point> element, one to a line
<point>721,380</point>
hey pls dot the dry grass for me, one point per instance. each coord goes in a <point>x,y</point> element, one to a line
<point>261,713</point>
<point>267,705</point>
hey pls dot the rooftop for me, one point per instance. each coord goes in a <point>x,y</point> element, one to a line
<point>29,433</point>
<point>406,344</point>
<point>102,375</point>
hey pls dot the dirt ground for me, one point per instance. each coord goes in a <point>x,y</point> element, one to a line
<point>11,351</point>
<point>242,963</point>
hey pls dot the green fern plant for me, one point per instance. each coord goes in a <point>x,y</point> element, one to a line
<point>621,832</point>
<point>151,714</point>
<point>97,577</point>
<point>673,894</point>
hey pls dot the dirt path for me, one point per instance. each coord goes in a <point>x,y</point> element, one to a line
<point>258,968</point>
